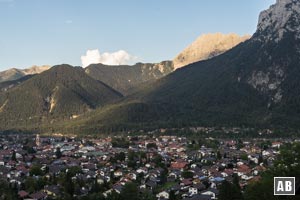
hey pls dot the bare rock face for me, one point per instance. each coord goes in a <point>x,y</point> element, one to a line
<point>282,17</point>
<point>13,74</point>
<point>36,69</point>
<point>207,46</point>
<point>278,25</point>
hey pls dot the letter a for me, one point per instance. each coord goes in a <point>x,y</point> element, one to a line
<point>280,187</point>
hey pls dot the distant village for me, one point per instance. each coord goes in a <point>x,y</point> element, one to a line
<point>167,167</point>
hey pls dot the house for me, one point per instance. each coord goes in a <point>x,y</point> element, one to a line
<point>175,188</point>
<point>142,170</point>
<point>151,184</point>
<point>118,173</point>
<point>132,176</point>
<point>52,190</point>
<point>171,179</point>
<point>38,196</point>
<point>179,165</point>
<point>227,172</point>
<point>56,169</point>
<point>118,188</point>
<point>199,187</point>
<point>163,195</point>
<point>245,177</point>
<point>199,197</point>
<point>211,192</point>
<point>23,194</point>
<point>276,144</point>
<point>186,182</point>
<point>243,170</point>
<point>106,193</point>
<point>100,180</point>
<point>193,191</point>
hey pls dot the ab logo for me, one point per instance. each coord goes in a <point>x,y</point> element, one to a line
<point>284,185</point>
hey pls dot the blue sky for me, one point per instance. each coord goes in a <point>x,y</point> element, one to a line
<point>36,32</point>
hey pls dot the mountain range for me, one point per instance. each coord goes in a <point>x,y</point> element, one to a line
<point>14,73</point>
<point>253,84</point>
<point>60,93</point>
<point>125,78</point>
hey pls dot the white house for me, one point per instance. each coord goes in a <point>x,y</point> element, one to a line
<point>210,193</point>
<point>193,191</point>
<point>163,194</point>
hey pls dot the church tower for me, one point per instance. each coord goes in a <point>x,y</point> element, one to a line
<point>37,140</point>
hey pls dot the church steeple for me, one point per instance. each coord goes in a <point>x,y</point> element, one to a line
<point>37,140</point>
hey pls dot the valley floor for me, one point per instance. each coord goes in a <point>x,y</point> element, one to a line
<point>133,167</point>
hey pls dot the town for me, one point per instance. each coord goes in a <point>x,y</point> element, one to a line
<point>141,167</point>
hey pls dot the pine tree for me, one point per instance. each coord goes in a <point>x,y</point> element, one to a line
<point>13,156</point>
<point>58,153</point>
<point>229,191</point>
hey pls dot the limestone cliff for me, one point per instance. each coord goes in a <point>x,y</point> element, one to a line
<point>206,47</point>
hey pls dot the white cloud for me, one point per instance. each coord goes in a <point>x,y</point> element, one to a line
<point>120,57</point>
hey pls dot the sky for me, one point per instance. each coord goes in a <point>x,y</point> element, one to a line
<point>38,32</point>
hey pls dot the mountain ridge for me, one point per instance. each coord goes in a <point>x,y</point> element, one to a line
<point>207,46</point>
<point>253,84</point>
<point>14,73</point>
<point>124,78</point>
<point>60,93</point>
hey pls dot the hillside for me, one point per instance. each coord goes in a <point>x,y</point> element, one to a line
<point>124,78</point>
<point>254,84</point>
<point>61,93</point>
<point>7,85</point>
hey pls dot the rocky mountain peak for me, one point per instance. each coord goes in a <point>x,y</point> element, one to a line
<point>36,69</point>
<point>14,73</point>
<point>207,46</point>
<point>282,17</point>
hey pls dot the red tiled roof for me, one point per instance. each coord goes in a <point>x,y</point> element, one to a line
<point>22,194</point>
<point>255,179</point>
<point>228,171</point>
<point>38,195</point>
<point>178,165</point>
<point>276,143</point>
<point>187,182</point>
<point>244,169</point>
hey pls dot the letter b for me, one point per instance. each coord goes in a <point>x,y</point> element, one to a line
<point>288,186</point>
